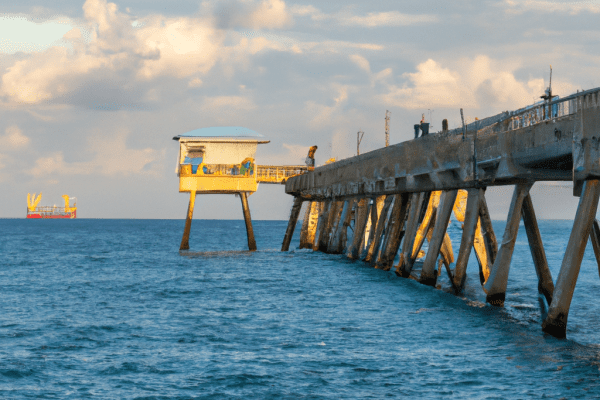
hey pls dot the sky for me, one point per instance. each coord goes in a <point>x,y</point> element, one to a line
<point>92,92</point>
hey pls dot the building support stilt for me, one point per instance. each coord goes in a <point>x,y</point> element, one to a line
<point>545,284</point>
<point>289,232</point>
<point>185,240</point>
<point>468,238</point>
<point>248,220</point>
<point>556,322</point>
<point>362,216</point>
<point>495,286</point>
<point>428,273</point>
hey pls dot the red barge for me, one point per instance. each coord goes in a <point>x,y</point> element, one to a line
<point>33,211</point>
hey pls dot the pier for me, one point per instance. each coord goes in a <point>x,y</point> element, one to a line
<point>395,198</point>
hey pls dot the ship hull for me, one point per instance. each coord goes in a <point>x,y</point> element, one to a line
<point>37,215</point>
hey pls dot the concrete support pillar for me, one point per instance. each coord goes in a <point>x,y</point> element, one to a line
<point>471,217</point>
<point>185,240</point>
<point>289,232</point>
<point>489,241</point>
<point>556,322</point>
<point>362,216</point>
<point>338,238</point>
<point>309,225</point>
<point>322,223</point>
<point>428,274</point>
<point>495,286</point>
<point>595,236</point>
<point>427,223</point>
<point>393,235</point>
<point>248,220</point>
<point>405,264</point>
<point>545,284</point>
<point>332,220</point>
<point>375,215</point>
<point>379,228</point>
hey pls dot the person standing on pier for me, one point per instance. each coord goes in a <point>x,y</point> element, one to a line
<point>310,159</point>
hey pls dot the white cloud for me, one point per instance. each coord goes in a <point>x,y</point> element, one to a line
<point>21,34</point>
<point>270,14</point>
<point>13,139</point>
<point>370,20</point>
<point>110,157</point>
<point>560,7</point>
<point>383,19</point>
<point>472,83</point>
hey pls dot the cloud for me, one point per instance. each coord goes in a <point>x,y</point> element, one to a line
<point>472,83</point>
<point>13,139</point>
<point>110,157</point>
<point>559,7</point>
<point>385,19</point>
<point>21,34</point>
<point>267,14</point>
<point>370,20</point>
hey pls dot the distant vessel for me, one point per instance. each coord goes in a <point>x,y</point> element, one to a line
<point>33,211</point>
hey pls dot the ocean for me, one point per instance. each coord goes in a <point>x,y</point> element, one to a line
<point>110,309</point>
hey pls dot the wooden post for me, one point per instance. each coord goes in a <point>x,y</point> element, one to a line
<point>248,220</point>
<point>381,222</point>
<point>495,286</point>
<point>394,232</point>
<point>309,225</point>
<point>185,240</point>
<point>405,264</point>
<point>595,236</point>
<point>556,322</point>
<point>468,236</point>
<point>362,216</point>
<point>545,285</point>
<point>289,232</point>
<point>428,275</point>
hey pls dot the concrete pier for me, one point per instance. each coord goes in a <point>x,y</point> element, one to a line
<point>405,194</point>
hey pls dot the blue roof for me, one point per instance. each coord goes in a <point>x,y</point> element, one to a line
<point>230,132</point>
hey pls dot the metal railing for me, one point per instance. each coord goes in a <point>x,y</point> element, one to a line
<point>278,173</point>
<point>530,115</point>
<point>51,210</point>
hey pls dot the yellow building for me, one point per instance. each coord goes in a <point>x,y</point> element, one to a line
<point>218,160</point>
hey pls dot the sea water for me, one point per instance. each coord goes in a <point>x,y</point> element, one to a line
<point>111,309</point>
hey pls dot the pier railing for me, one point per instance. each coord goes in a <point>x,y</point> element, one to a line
<point>278,174</point>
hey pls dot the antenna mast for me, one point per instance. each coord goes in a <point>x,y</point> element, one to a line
<point>359,136</point>
<point>387,128</point>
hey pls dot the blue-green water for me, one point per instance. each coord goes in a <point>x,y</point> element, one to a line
<point>111,309</point>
